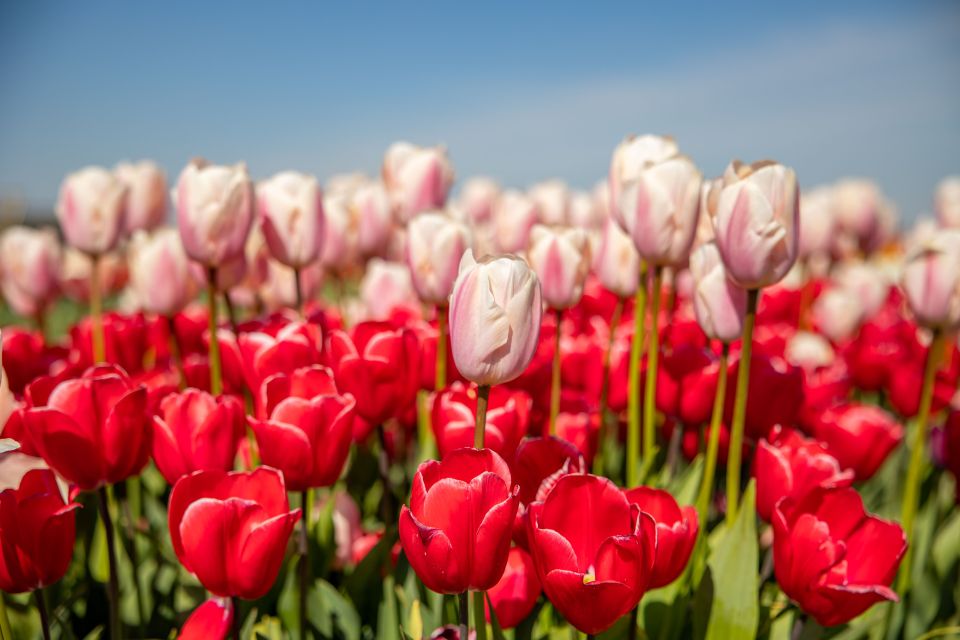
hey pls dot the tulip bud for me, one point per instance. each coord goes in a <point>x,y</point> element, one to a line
<point>417,178</point>
<point>617,263</point>
<point>29,268</point>
<point>756,222</point>
<point>863,216</point>
<point>631,157</point>
<point>946,202</point>
<point>370,212</point>
<point>146,195</point>
<point>931,280</point>
<point>659,209</point>
<point>214,211</point>
<point>515,595</point>
<point>290,207</point>
<point>585,213</point>
<point>386,286</point>
<point>340,231</point>
<point>478,198</point>
<point>495,314</point>
<point>435,244</point>
<point>160,272</point>
<point>513,217</point>
<point>279,289</point>
<point>817,222</point>
<point>76,268</point>
<point>561,259</point>
<point>553,201</point>
<point>90,210</point>
<point>719,304</point>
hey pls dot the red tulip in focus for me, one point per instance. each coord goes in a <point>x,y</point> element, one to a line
<point>231,529</point>
<point>831,557</point>
<point>859,436</point>
<point>308,440</point>
<point>516,594</point>
<point>456,532</point>
<point>454,416</point>
<point>212,620</point>
<point>306,383</point>
<point>676,532</point>
<point>37,533</point>
<point>594,553</point>
<point>93,430</point>
<point>540,462</point>
<point>195,431</point>
<point>789,465</point>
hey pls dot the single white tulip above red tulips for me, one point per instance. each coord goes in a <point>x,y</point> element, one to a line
<point>146,195</point>
<point>160,274</point>
<point>631,157</point>
<point>91,210</point>
<point>417,178</point>
<point>560,256</point>
<point>290,208</point>
<point>29,268</point>
<point>718,302</point>
<point>435,244</point>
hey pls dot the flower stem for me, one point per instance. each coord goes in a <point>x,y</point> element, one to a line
<point>479,615</point>
<point>304,562</point>
<point>235,605</point>
<point>96,311</point>
<point>605,431</point>
<point>555,377</point>
<point>633,392</point>
<point>911,492</point>
<point>653,360</point>
<point>483,395</point>
<point>740,408</point>
<point>713,443</point>
<point>298,286</point>
<point>113,588</point>
<point>175,353</point>
<point>440,376</point>
<point>42,610</point>
<point>464,615</point>
<point>5,631</point>
<point>216,382</point>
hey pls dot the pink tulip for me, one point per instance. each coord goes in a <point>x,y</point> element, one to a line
<point>617,263</point>
<point>76,268</point>
<point>29,268</point>
<point>931,280</point>
<point>837,314</point>
<point>809,351</point>
<point>214,211</point>
<point>495,314</point>
<point>553,201</point>
<point>91,210</point>
<point>513,218</point>
<point>585,212</point>
<point>817,222</point>
<point>370,213</point>
<point>863,216</point>
<point>290,207</point>
<point>756,222</point>
<point>340,232</point>
<point>631,157</point>
<point>146,195</point>
<point>160,275</point>
<point>417,178</point>
<point>279,289</point>
<point>946,202</point>
<point>386,286</point>
<point>561,259</point>
<point>435,244</point>
<point>718,302</point>
<point>478,198</point>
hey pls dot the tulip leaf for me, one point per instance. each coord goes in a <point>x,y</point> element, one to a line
<point>98,561</point>
<point>946,545</point>
<point>734,607</point>
<point>494,623</point>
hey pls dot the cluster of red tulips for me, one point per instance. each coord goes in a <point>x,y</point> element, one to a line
<point>674,407</point>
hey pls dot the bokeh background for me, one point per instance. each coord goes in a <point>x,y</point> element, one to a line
<point>517,91</point>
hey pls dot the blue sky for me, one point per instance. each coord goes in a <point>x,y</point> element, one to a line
<point>518,91</point>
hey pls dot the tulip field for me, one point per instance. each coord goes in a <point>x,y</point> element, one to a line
<point>413,406</point>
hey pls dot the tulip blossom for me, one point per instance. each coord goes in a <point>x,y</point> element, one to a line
<point>435,245</point>
<point>719,303</point>
<point>307,440</point>
<point>305,382</point>
<point>561,259</point>
<point>817,223</point>
<point>946,202</point>
<point>146,205</point>
<point>616,261</point>
<point>539,462</point>
<point>859,436</point>
<point>676,532</point>
<point>495,314</point>
<point>231,529</point>
<point>370,214</point>
<point>478,199</point>
<point>29,268</point>
<point>831,557</point>
<point>775,396</point>
<point>214,211</point>
<point>513,217</point>
<point>585,212</point>
<point>515,595</point>
<point>386,287</point>
<point>93,430</point>
<point>37,533</point>
<point>90,210</point>
<point>417,178</point>
<point>290,208</point>
<point>631,157</point>
<point>212,620</point>
<point>195,431</point>
<point>456,531</point>
<point>862,215</point>
<point>160,275</point>
<point>553,202</point>
<point>756,220</point>
<point>454,415</point>
<point>340,233</point>
<point>789,465</point>
<point>931,280</point>
<point>594,553</point>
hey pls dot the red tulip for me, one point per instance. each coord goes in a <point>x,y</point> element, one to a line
<point>195,431</point>
<point>456,532</point>
<point>306,383</point>
<point>93,430</point>
<point>308,440</point>
<point>676,532</point>
<point>37,533</point>
<point>790,465</point>
<point>125,341</point>
<point>540,462</point>
<point>774,397</point>
<point>594,553</point>
<point>379,366</point>
<point>257,355</point>
<point>687,383</point>
<point>883,344</point>
<point>516,594</point>
<point>860,437</point>
<point>212,620</point>
<point>231,529</point>
<point>26,357</point>
<point>454,416</point>
<point>833,558</point>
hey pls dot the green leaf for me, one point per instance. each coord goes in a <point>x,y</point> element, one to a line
<point>946,545</point>
<point>686,485</point>
<point>494,623</point>
<point>735,607</point>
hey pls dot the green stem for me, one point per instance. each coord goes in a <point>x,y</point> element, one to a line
<point>175,354</point>
<point>304,562</point>
<point>464,599</point>
<point>740,408</point>
<point>298,287</point>
<point>5,631</point>
<point>483,395</point>
<point>113,588</point>
<point>653,361</point>
<point>713,443</point>
<point>555,377</point>
<point>42,610</point>
<point>440,377</point>
<point>911,492</point>
<point>425,444</point>
<point>633,391</point>
<point>605,431</point>
<point>216,382</point>
<point>96,311</point>
<point>132,511</point>
<point>235,605</point>
<point>479,615</point>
